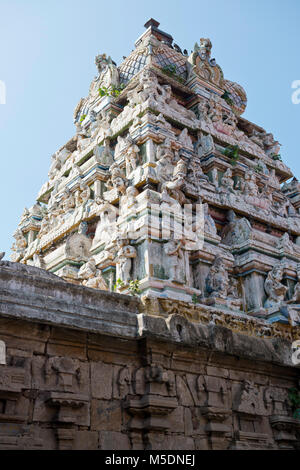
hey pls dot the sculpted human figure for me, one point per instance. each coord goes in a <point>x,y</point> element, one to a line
<point>67,201</point>
<point>176,260</point>
<point>196,175</point>
<point>104,154</point>
<point>126,253</point>
<point>56,214</point>
<point>185,139</point>
<point>274,288</point>
<point>250,189</point>
<point>217,281</point>
<point>296,297</point>
<point>121,145</point>
<point>45,226</point>
<point>204,49</point>
<point>216,110</point>
<point>150,89</point>
<point>103,128</point>
<point>227,182</point>
<point>257,137</point>
<point>20,244</point>
<point>164,165</point>
<point>83,194</point>
<point>175,187</point>
<point>83,141</point>
<point>118,180</point>
<point>131,155</point>
<point>172,103</point>
<point>210,226</point>
<point>108,75</point>
<point>272,146</point>
<point>203,107</point>
<point>91,276</point>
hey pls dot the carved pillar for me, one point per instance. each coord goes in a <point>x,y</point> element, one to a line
<point>151,407</point>
<point>285,431</point>
<point>215,410</point>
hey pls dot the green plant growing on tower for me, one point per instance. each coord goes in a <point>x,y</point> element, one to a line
<point>258,168</point>
<point>111,91</point>
<point>134,287</point>
<point>195,299</point>
<point>294,397</point>
<point>226,97</point>
<point>171,71</point>
<point>119,284</point>
<point>276,157</point>
<point>233,153</point>
<point>82,117</point>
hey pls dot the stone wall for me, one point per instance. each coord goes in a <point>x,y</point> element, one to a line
<point>86,369</point>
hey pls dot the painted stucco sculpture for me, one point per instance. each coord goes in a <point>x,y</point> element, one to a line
<point>161,131</point>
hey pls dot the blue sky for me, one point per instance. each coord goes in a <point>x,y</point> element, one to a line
<point>47,51</point>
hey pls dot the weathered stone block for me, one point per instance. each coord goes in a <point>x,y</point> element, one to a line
<point>106,415</point>
<point>102,380</point>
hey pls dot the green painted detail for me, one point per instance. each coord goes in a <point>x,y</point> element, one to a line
<point>159,272</point>
<point>65,263</point>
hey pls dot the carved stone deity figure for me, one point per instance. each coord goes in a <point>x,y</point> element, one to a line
<point>274,288</point>
<point>196,173</point>
<point>78,245</point>
<point>108,75</point>
<point>296,297</point>
<point>174,105</point>
<point>104,154</point>
<point>257,137</point>
<point>58,159</point>
<point>45,226</point>
<point>205,47</point>
<point>250,188</point>
<point>216,110</point>
<point>104,127</point>
<point>203,108</point>
<point>237,231</point>
<point>83,194</point>
<point>185,139</point>
<point>95,120</point>
<point>107,225</point>
<point>217,281</point>
<point>272,146</point>
<point>176,260</point>
<point>131,155</point>
<point>209,223</point>
<point>164,165</point>
<point>19,245</point>
<point>227,182</point>
<point>126,254</point>
<point>233,291</point>
<point>205,146</point>
<point>67,201</point>
<point>83,141</point>
<point>118,180</point>
<point>91,276</point>
<point>174,187</point>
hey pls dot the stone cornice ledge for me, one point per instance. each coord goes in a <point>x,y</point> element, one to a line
<point>34,295</point>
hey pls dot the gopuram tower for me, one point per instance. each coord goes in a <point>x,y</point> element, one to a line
<point>167,192</point>
<point>153,300</point>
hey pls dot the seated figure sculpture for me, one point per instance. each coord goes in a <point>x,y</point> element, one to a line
<point>217,281</point>
<point>274,288</point>
<point>91,276</point>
